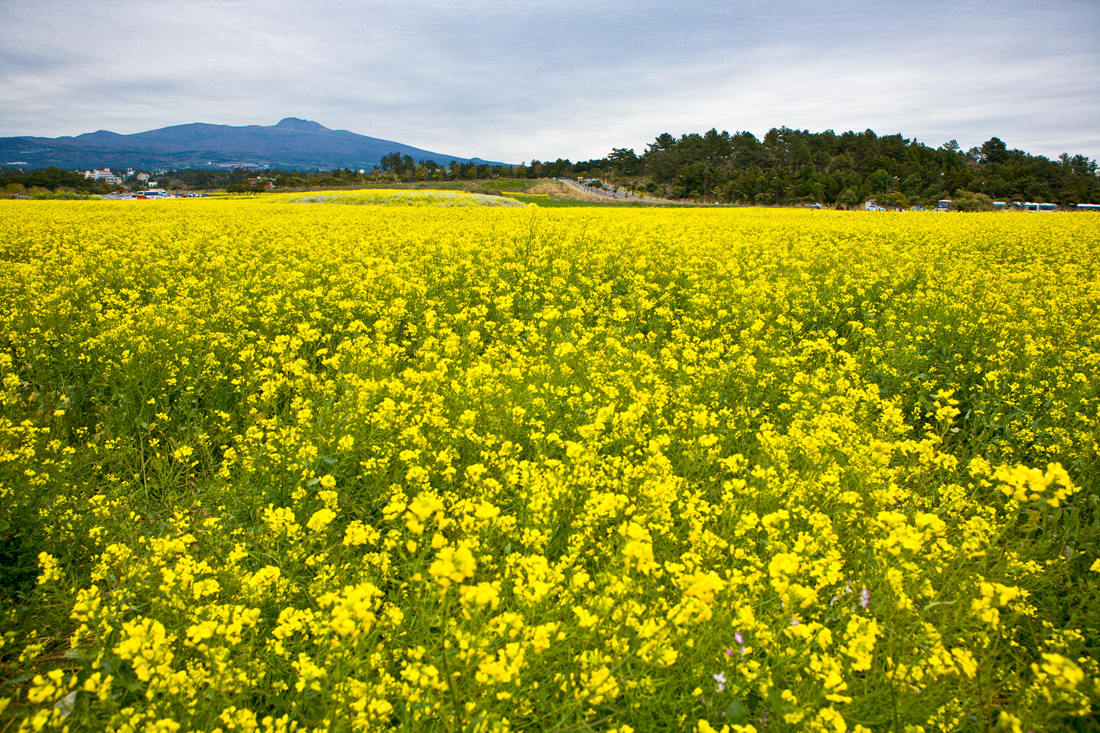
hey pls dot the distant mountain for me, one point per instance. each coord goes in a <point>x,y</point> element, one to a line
<point>291,144</point>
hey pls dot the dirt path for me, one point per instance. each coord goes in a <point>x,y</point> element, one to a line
<point>573,191</point>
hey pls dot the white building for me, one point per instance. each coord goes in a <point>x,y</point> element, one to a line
<point>104,175</point>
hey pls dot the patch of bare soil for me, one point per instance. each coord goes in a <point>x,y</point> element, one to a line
<point>559,190</point>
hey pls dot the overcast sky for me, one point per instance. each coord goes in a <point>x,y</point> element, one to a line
<point>517,80</point>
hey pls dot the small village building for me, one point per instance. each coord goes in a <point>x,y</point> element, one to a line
<point>104,175</point>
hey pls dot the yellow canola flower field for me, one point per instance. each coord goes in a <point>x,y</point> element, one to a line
<point>267,466</point>
<point>397,197</point>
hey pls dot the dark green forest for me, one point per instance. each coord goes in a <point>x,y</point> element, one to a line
<point>793,166</point>
<point>786,167</point>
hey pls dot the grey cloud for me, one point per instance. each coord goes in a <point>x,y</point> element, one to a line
<point>517,80</point>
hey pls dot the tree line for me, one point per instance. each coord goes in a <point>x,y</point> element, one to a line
<point>792,166</point>
<point>15,182</point>
<point>785,167</point>
<point>796,166</point>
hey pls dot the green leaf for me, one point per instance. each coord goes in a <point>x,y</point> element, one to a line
<point>736,714</point>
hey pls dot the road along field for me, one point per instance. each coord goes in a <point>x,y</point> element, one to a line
<point>268,465</point>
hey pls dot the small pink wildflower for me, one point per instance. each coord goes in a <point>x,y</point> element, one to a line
<point>740,642</point>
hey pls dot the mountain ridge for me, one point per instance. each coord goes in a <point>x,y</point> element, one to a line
<point>292,143</point>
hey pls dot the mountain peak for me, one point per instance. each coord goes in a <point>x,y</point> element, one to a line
<point>293,123</point>
<point>292,144</point>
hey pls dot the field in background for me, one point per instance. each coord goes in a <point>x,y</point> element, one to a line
<point>541,192</point>
<point>275,466</point>
<point>391,197</point>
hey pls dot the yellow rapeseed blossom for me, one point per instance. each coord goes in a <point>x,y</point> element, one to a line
<point>406,460</point>
<point>453,564</point>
